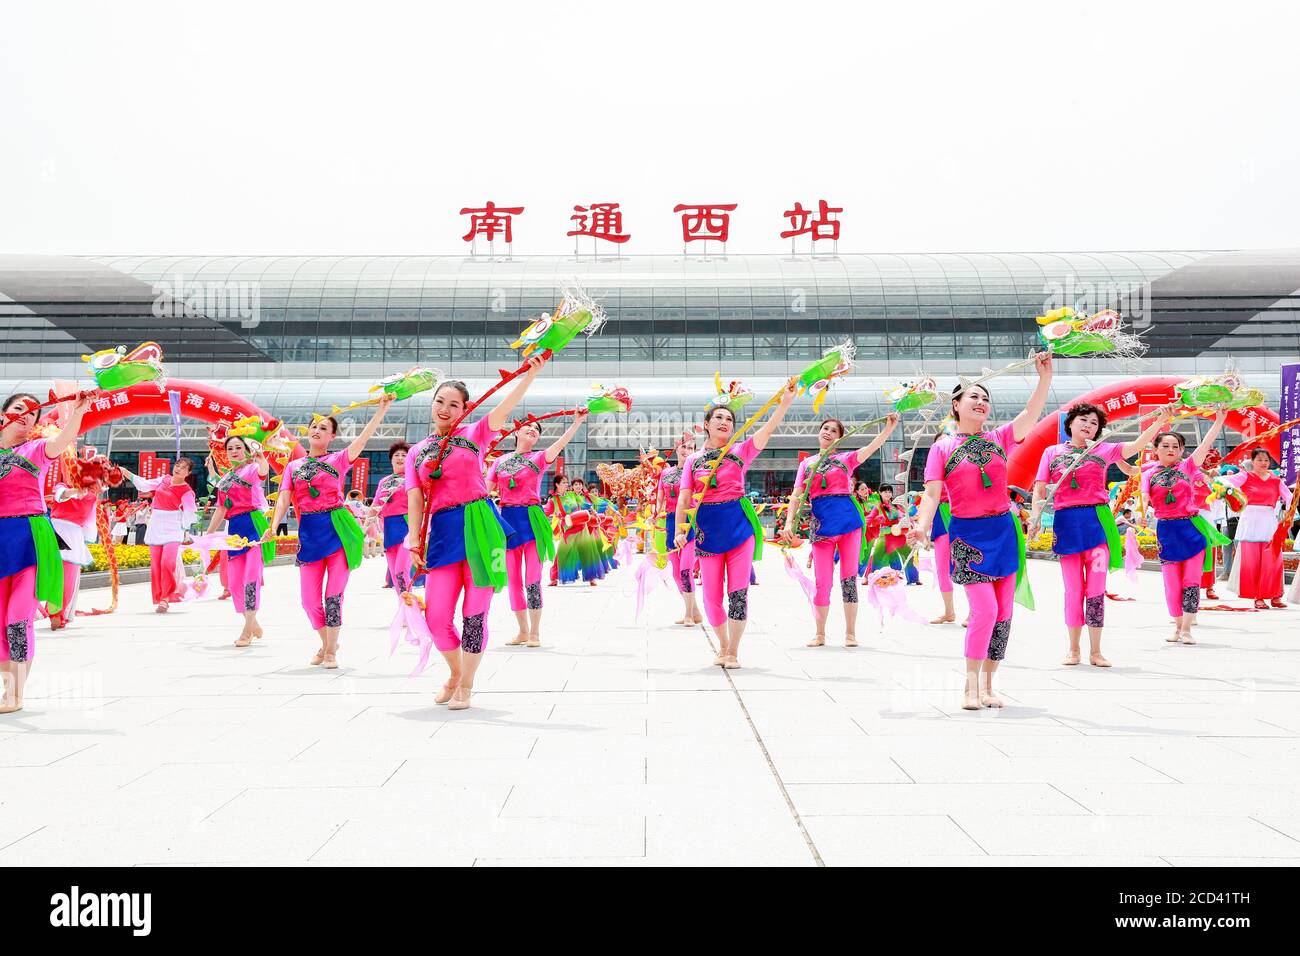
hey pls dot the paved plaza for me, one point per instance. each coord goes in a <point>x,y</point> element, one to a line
<point>149,739</point>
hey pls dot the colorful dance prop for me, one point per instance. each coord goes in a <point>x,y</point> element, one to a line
<point>604,400</point>
<point>1242,451</point>
<point>252,427</point>
<point>401,386</point>
<point>887,593</point>
<point>576,314</point>
<point>220,541</point>
<point>174,405</point>
<point>1065,332</point>
<point>1226,391</point>
<point>836,362</point>
<point>104,528</point>
<point>113,370</point>
<point>410,626</point>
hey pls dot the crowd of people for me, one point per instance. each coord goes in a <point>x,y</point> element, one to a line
<point>461,526</point>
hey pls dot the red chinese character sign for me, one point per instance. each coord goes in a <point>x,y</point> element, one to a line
<point>703,222</point>
<point>360,474</point>
<point>600,220</point>
<point>821,224</point>
<point>491,221</point>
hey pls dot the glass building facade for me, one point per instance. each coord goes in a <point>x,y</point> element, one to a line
<point>299,333</point>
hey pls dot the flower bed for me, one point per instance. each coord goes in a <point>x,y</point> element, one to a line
<point>137,555</point>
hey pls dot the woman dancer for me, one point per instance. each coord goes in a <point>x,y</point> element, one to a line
<point>681,559</point>
<point>172,514</point>
<point>1257,568</point>
<point>556,511</point>
<point>329,538</point>
<point>514,478</point>
<point>727,534</point>
<point>30,569</point>
<point>1168,483</point>
<point>240,502</point>
<point>467,541</point>
<point>1084,535</point>
<point>72,514</point>
<point>836,523</point>
<point>890,549</point>
<point>987,543</point>
<point>389,508</point>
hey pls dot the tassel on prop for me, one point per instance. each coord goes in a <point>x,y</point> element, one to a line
<point>409,626</point>
<point>1066,332</point>
<point>1132,555</point>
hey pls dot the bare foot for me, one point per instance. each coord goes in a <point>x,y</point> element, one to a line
<point>697,619</point>
<point>945,619</point>
<point>1096,660</point>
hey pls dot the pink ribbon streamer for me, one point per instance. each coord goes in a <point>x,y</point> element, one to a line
<point>890,596</point>
<point>648,577</point>
<point>796,573</point>
<point>409,626</point>
<point>1132,555</point>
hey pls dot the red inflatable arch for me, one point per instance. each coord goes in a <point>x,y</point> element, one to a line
<point>198,400</point>
<point>1125,400</point>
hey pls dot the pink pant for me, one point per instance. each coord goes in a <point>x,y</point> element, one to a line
<point>162,572</point>
<point>943,563</point>
<point>849,546</point>
<point>1261,572</point>
<point>524,576</point>
<point>1183,584</point>
<point>441,589</point>
<point>244,579</point>
<point>683,563</point>
<point>736,566</point>
<point>71,587</point>
<point>989,625</point>
<point>1085,586</point>
<point>18,608</point>
<point>328,577</point>
<point>399,566</point>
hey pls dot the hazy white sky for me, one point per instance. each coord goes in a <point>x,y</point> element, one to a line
<point>364,127</point>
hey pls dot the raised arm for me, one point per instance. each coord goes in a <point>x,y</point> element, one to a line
<point>766,430</point>
<point>54,447</point>
<point>1023,423</point>
<point>499,416</point>
<point>557,446</point>
<point>1157,424</point>
<point>866,451</point>
<point>1210,438</point>
<point>358,444</point>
